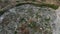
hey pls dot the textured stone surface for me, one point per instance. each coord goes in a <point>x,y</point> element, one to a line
<point>27,19</point>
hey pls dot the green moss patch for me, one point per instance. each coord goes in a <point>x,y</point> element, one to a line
<point>50,5</point>
<point>1,12</point>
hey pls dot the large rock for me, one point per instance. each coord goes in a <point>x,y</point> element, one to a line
<point>27,19</point>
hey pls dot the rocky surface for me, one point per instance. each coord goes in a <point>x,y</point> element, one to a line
<point>56,30</point>
<point>27,19</point>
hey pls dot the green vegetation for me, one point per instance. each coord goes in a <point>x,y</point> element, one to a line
<point>0,0</point>
<point>50,5</point>
<point>25,0</point>
<point>17,1</point>
<point>22,19</point>
<point>15,32</point>
<point>58,0</point>
<point>1,12</point>
<point>32,24</point>
<point>43,0</point>
<point>33,0</point>
<point>41,5</point>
